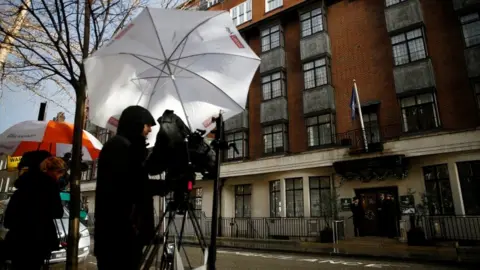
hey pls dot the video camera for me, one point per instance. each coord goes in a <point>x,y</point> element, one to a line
<point>181,154</point>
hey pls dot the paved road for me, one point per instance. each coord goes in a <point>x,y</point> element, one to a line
<point>231,259</point>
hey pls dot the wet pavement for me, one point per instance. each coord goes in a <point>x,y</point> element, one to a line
<point>240,259</point>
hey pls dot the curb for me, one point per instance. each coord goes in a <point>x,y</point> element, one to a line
<point>307,251</point>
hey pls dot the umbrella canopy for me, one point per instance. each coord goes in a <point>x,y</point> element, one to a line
<point>193,62</point>
<point>52,136</point>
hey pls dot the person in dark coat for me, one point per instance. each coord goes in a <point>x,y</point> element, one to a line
<point>124,213</point>
<point>381,215</point>
<point>391,216</point>
<point>358,216</point>
<point>31,213</point>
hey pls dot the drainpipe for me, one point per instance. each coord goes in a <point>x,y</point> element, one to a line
<point>220,192</point>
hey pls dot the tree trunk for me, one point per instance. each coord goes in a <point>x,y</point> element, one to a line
<point>74,224</point>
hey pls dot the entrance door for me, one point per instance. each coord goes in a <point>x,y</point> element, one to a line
<point>370,198</point>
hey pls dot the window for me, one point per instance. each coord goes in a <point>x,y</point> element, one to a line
<point>211,3</point>
<point>242,13</point>
<point>311,22</point>
<point>196,200</point>
<point>477,94</point>
<point>272,4</point>
<point>294,192</point>
<point>240,141</point>
<point>320,196</point>
<point>419,112</point>
<point>86,175</point>
<point>408,47</point>
<point>438,191</point>
<point>94,169</point>
<point>471,29</point>
<point>315,73</point>
<point>243,196</point>
<point>274,138</point>
<point>320,130</point>
<point>103,135</point>
<point>273,85</point>
<point>271,38</point>
<point>275,199</point>
<point>393,2</point>
<point>372,129</point>
<point>469,175</point>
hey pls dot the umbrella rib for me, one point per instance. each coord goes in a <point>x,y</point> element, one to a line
<point>169,69</point>
<point>191,31</point>
<point>215,53</point>
<point>208,81</point>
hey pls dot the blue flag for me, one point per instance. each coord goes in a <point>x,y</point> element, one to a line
<point>353,103</point>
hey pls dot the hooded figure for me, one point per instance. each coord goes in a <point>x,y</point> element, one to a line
<point>32,209</point>
<point>124,213</point>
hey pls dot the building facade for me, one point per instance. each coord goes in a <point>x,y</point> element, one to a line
<point>415,63</point>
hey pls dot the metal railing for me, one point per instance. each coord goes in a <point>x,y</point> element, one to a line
<point>450,228</point>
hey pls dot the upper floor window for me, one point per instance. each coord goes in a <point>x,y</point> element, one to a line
<point>242,13</point>
<point>409,47</point>
<point>419,112</point>
<point>211,3</point>
<point>103,135</point>
<point>272,4</point>
<point>271,38</point>
<point>87,175</point>
<point>273,85</point>
<point>274,138</point>
<point>320,130</point>
<point>311,22</point>
<point>393,2</point>
<point>240,140</point>
<point>196,196</point>
<point>372,129</point>
<point>315,73</point>
<point>471,29</point>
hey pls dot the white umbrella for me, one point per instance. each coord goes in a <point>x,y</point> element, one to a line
<point>193,62</point>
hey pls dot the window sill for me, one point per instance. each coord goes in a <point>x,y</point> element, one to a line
<point>272,49</point>
<point>313,34</point>
<point>412,62</point>
<point>243,23</point>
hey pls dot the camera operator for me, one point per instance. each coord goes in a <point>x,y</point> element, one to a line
<point>124,214</point>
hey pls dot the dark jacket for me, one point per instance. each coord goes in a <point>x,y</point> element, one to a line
<point>357,211</point>
<point>30,215</point>
<point>124,213</point>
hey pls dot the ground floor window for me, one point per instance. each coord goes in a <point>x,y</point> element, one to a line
<point>294,192</point>
<point>243,197</point>
<point>320,204</point>
<point>275,199</point>
<point>469,176</point>
<point>438,190</point>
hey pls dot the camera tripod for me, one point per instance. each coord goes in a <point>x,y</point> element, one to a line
<point>160,242</point>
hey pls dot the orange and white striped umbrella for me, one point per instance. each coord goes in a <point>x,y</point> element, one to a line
<point>55,137</point>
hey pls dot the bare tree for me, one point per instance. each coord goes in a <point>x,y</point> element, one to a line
<point>47,41</point>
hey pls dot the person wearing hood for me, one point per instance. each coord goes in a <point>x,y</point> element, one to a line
<point>32,210</point>
<point>124,213</point>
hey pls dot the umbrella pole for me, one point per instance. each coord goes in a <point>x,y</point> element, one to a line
<point>219,147</point>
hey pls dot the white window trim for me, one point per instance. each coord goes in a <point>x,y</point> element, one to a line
<point>247,12</point>
<point>279,6</point>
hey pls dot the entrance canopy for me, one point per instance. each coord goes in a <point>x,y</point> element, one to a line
<point>368,169</point>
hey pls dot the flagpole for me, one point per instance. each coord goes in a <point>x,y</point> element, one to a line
<point>357,97</point>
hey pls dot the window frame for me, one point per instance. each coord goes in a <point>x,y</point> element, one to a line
<point>243,195</point>
<point>477,20</point>
<point>194,197</point>
<point>87,175</point>
<point>103,135</point>
<point>406,43</point>
<point>331,121</point>
<point>274,8</point>
<point>474,176</point>
<point>319,191</point>
<point>393,4</point>
<point>247,12</point>
<point>314,69</point>
<point>281,79</point>
<point>284,131</point>
<point>435,111</point>
<point>310,19</point>
<point>269,35</point>
<point>372,128</point>
<point>438,180</point>
<point>287,190</point>
<point>243,139</point>
<point>276,198</point>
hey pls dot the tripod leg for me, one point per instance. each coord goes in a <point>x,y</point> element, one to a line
<point>152,242</point>
<point>197,228</point>
<point>179,241</point>
<point>180,236</point>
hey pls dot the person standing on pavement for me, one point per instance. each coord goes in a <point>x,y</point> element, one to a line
<point>381,214</point>
<point>358,216</point>
<point>31,213</point>
<point>124,213</point>
<point>391,216</point>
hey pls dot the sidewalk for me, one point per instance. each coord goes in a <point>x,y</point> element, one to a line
<point>372,248</point>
